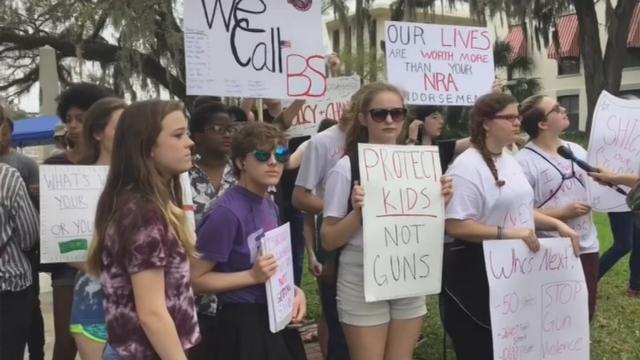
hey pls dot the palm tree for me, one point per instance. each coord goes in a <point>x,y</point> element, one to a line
<point>518,70</point>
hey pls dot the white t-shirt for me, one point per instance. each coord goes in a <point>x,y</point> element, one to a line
<point>322,153</point>
<point>545,180</point>
<point>336,197</point>
<point>477,197</point>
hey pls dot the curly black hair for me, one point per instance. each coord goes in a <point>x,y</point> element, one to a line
<point>81,96</point>
<point>202,115</point>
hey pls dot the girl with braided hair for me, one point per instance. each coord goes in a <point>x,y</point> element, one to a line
<point>493,200</point>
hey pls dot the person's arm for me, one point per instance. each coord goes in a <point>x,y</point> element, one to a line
<point>295,160</point>
<point>606,177</point>
<point>304,200</point>
<point>151,308</point>
<point>462,145</point>
<point>309,233</point>
<point>544,222</point>
<point>246,105</point>
<point>336,232</point>
<point>205,281</point>
<point>24,214</point>
<point>285,118</point>
<point>567,212</point>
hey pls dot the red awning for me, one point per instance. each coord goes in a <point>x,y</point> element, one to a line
<point>567,29</point>
<point>633,41</point>
<point>517,42</point>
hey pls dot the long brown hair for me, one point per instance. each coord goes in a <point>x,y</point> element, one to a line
<point>96,120</point>
<point>132,169</point>
<point>485,108</point>
<point>357,132</point>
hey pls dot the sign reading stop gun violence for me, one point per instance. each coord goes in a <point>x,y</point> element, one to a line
<point>538,301</point>
<point>257,49</point>
<point>332,106</point>
<point>403,220</point>
<point>439,64</point>
<point>614,144</point>
<point>68,200</point>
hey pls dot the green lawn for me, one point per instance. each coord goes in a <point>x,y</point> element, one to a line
<point>615,331</point>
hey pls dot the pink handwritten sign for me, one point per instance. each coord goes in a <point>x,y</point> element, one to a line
<point>439,64</point>
<point>403,220</point>
<point>614,144</point>
<point>280,287</point>
<point>538,301</point>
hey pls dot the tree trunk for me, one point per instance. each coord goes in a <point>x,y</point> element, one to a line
<point>602,74</point>
<point>373,46</point>
<point>360,37</point>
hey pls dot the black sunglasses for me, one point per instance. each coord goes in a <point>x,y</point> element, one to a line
<point>281,154</point>
<point>380,115</point>
<point>222,129</point>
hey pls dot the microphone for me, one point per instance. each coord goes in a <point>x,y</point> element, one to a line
<point>566,153</point>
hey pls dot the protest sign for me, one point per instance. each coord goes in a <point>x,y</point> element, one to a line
<point>439,64</point>
<point>402,220</point>
<point>254,49</point>
<point>68,200</point>
<point>614,144</point>
<point>339,93</point>
<point>538,301</point>
<point>280,287</point>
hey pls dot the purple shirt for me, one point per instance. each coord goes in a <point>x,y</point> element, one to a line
<point>230,234</point>
<point>140,227</point>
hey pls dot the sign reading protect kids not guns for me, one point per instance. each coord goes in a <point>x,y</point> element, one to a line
<point>439,64</point>
<point>614,144</point>
<point>260,49</point>
<point>402,220</point>
<point>538,301</point>
<point>313,112</point>
<point>68,200</point>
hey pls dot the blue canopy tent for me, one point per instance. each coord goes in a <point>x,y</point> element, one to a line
<point>34,131</point>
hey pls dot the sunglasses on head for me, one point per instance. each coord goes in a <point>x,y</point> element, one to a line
<point>380,115</point>
<point>222,129</point>
<point>281,154</point>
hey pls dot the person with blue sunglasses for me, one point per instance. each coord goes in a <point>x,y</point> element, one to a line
<point>230,263</point>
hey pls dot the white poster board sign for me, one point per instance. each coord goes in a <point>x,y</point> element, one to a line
<point>68,199</point>
<point>259,49</point>
<point>402,220</point>
<point>313,112</point>
<point>538,301</point>
<point>439,64</point>
<point>280,287</point>
<point>614,144</point>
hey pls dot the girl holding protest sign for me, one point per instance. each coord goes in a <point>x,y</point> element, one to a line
<point>382,329</point>
<point>493,200</point>
<point>87,312</point>
<point>231,263</point>
<point>142,242</point>
<point>559,185</point>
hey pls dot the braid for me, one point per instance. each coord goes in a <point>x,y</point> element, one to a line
<point>488,159</point>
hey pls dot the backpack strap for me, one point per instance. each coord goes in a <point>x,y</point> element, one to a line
<point>355,176</point>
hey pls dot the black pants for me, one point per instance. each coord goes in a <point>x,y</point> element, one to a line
<point>471,341</point>
<point>205,350</point>
<point>16,309</point>
<point>35,340</point>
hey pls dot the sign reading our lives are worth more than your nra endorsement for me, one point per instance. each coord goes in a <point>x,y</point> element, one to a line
<point>68,200</point>
<point>538,301</point>
<point>402,220</point>
<point>439,64</point>
<point>258,49</point>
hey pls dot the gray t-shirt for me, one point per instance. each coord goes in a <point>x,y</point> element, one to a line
<point>27,168</point>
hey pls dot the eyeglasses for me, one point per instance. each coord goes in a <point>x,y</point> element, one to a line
<point>557,108</point>
<point>222,129</point>
<point>509,117</point>
<point>380,115</point>
<point>281,154</point>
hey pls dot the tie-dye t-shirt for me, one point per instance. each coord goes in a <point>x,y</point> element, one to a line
<point>140,226</point>
<point>230,235</point>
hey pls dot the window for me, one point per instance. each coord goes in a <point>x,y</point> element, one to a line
<point>572,104</point>
<point>632,57</point>
<point>336,41</point>
<point>568,66</point>
<point>635,92</point>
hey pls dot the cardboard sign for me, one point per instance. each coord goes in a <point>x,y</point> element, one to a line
<point>259,49</point>
<point>538,301</point>
<point>68,200</point>
<point>403,220</point>
<point>614,144</point>
<point>439,64</point>
<point>313,112</point>
<point>280,287</point>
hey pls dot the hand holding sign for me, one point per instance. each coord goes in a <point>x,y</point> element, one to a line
<point>263,268</point>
